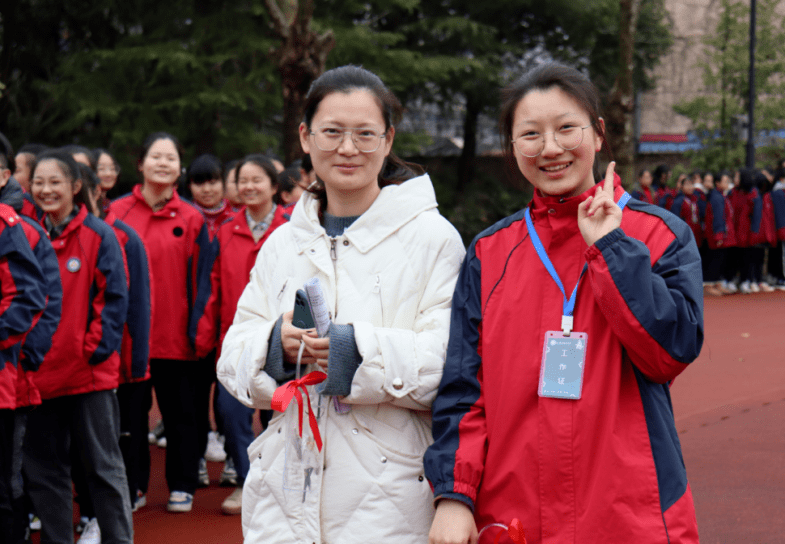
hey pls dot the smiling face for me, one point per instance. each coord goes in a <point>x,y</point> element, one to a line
<point>555,171</point>
<point>107,172</point>
<point>161,164</point>
<point>53,190</point>
<point>350,176</point>
<point>208,194</point>
<point>255,189</point>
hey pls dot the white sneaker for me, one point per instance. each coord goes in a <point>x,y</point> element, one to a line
<point>229,474</point>
<point>204,476</point>
<point>754,287</point>
<point>91,533</point>
<point>765,287</point>
<point>180,501</point>
<point>745,288</point>
<point>730,286</point>
<point>162,442</point>
<point>215,452</point>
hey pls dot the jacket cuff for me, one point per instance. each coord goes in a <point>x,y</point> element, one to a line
<point>609,239</point>
<point>275,366</point>
<point>455,497</point>
<point>342,361</point>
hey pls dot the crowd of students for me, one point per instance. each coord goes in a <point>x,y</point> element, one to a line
<point>521,383</point>
<point>737,218</point>
<point>102,301</point>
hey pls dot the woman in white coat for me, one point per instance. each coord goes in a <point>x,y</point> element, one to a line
<point>387,262</point>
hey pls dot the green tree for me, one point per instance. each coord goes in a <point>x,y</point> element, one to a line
<point>717,113</point>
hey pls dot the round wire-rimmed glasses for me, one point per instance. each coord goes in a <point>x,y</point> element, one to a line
<point>531,143</point>
<point>365,140</point>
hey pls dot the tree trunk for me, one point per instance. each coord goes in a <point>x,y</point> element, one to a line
<point>621,106</point>
<point>301,58</point>
<point>466,162</point>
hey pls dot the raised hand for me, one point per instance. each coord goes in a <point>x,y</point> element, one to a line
<point>599,214</point>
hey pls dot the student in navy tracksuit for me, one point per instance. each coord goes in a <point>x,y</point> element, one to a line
<point>179,252</point>
<point>719,236</point>
<point>81,371</point>
<point>22,300</point>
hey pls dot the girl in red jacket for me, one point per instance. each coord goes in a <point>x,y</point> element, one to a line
<point>79,410</point>
<point>179,252</point>
<point>239,242</point>
<point>569,320</point>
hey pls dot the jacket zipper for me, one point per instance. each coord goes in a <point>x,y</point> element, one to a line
<point>334,257</point>
<point>377,288</point>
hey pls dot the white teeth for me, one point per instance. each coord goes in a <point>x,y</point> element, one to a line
<point>555,168</point>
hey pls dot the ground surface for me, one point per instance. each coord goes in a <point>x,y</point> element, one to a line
<point>730,414</point>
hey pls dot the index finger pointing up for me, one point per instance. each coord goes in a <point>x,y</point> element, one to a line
<point>607,185</point>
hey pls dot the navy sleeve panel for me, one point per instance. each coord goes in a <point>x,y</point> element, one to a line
<point>717,203</point>
<point>23,283</point>
<point>112,286</point>
<point>39,340</point>
<point>666,299</point>
<point>138,317</point>
<point>460,387</point>
<point>665,446</point>
<point>757,212</point>
<point>778,202</point>
<point>676,205</point>
<point>207,250</point>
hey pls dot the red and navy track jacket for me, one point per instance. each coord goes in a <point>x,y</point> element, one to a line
<point>644,194</point>
<point>39,339</point>
<point>215,220</point>
<point>778,203</point>
<point>686,208</point>
<point>179,253</point>
<point>85,348</point>
<point>31,209</point>
<point>135,352</point>
<point>604,468</point>
<point>22,299</point>
<point>235,257</point>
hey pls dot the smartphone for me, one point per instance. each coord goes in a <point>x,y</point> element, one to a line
<point>302,319</point>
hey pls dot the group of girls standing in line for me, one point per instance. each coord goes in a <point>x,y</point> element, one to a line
<point>525,380</point>
<point>736,217</point>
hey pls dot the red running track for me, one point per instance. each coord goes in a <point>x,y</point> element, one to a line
<point>730,414</point>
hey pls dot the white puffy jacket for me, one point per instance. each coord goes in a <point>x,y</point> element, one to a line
<point>391,275</point>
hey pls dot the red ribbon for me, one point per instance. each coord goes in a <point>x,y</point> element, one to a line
<point>284,394</point>
<point>514,531</point>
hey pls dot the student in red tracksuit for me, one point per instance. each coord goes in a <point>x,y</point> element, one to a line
<point>22,300</point>
<point>552,409</point>
<point>239,242</point>
<point>179,253</point>
<point>719,235</point>
<point>81,370</point>
<point>134,393</point>
<point>643,190</point>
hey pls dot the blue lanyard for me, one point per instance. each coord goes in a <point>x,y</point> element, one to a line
<point>568,305</point>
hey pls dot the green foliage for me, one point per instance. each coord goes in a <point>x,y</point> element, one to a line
<point>726,80</point>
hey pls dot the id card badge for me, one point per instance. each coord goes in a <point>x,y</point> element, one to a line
<point>563,358</point>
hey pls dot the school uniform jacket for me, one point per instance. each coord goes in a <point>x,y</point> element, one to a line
<point>686,208</point>
<point>179,253</point>
<point>778,203</point>
<point>22,299</point>
<point>235,256</point>
<point>644,194</point>
<point>39,339</point>
<point>604,468</point>
<point>85,348</point>
<point>718,228</point>
<point>135,352</point>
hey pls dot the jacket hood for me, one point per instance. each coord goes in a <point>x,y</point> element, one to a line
<point>12,194</point>
<point>395,206</point>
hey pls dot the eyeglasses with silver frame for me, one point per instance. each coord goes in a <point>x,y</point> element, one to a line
<point>329,138</point>
<point>531,143</point>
